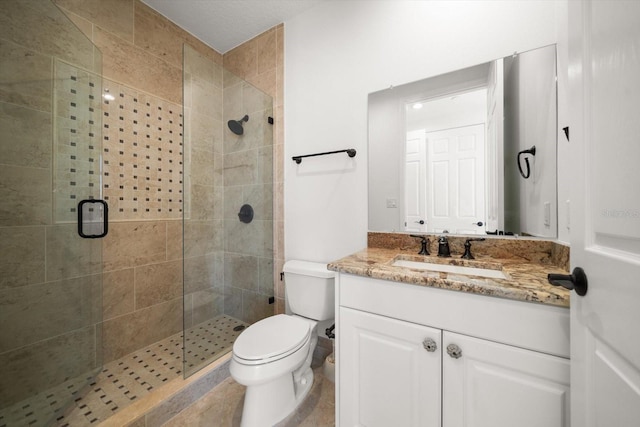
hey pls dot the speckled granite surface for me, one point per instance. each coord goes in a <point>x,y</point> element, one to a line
<point>526,264</point>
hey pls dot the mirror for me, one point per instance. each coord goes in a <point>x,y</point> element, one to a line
<point>468,152</point>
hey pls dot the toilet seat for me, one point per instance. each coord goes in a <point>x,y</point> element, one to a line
<point>271,339</point>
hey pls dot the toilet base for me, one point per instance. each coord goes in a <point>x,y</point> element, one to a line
<point>269,403</point>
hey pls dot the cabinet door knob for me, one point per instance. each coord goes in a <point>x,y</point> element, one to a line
<point>454,351</point>
<point>430,345</point>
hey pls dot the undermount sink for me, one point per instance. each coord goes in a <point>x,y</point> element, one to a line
<point>448,268</point>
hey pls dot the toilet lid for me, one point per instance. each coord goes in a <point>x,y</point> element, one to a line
<point>271,337</point>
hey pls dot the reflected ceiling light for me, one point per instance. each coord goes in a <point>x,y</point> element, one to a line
<point>107,96</point>
<point>417,106</point>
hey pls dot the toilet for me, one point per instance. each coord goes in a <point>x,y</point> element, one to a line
<point>272,357</point>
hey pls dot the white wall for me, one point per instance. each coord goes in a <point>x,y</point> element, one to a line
<point>338,52</point>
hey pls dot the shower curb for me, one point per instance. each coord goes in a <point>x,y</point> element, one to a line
<point>166,402</point>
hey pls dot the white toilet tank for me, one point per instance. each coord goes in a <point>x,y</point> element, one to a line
<point>310,289</point>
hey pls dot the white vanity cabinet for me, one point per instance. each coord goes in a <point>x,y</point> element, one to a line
<point>387,377</point>
<point>507,365</point>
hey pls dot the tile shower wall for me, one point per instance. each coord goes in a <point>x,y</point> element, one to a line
<point>142,180</point>
<point>260,61</point>
<point>248,179</point>
<point>203,233</point>
<point>50,286</point>
<point>142,64</point>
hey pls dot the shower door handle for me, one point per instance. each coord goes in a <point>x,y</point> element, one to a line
<point>93,218</point>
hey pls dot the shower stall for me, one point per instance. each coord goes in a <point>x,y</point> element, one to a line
<point>89,326</point>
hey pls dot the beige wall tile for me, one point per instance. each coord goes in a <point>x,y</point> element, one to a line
<point>243,60</point>
<point>199,66</point>
<point>205,132</point>
<point>203,203</point>
<point>241,271</point>
<point>26,196</point>
<point>174,240</point>
<point>46,363</point>
<point>255,307</point>
<point>158,283</point>
<point>202,237</point>
<point>250,239</point>
<point>25,139</point>
<point>118,293</point>
<point>69,255</point>
<point>131,65</point>
<point>25,76</point>
<point>131,244</point>
<point>115,16</point>
<point>201,273</point>
<point>266,82</point>
<point>83,25</point>
<point>202,167</point>
<point>23,252</point>
<point>240,168</point>
<point>266,46</point>
<point>157,35</point>
<point>125,334</point>
<point>55,36</point>
<point>203,48</point>
<point>265,165</point>
<point>265,276</point>
<point>260,197</point>
<point>233,302</point>
<point>207,304</point>
<point>32,313</point>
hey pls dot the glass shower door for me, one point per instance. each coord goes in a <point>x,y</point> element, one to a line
<point>50,161</point>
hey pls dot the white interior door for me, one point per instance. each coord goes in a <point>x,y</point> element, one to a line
<point>456,180</point>
<point>604,70</point>
<point>415,182</point>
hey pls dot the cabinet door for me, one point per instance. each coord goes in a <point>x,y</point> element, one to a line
<point>387,376</point>
<point>496,385</point>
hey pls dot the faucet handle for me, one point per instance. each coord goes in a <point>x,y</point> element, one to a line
<point>424,250</point>
<point>467,247</point>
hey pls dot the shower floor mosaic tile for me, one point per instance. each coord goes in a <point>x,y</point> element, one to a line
<point>123,381</point>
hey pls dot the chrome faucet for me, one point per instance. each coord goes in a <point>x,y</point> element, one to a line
<point>443,247</point>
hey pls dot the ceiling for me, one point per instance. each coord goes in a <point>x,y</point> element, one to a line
<point>225,24</point>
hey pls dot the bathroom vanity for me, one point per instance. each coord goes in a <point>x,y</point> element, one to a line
<point>421,347</point>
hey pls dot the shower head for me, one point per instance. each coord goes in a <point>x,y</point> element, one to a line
<point>236,125</point>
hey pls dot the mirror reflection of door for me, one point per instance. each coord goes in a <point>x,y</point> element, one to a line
<point>456,183</point>
<point>415,186</point>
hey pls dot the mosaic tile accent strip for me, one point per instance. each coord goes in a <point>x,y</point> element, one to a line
<point>142,155</point>
<point>77,125</point>
<point>125,380</point>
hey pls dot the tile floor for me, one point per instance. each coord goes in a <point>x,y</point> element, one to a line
<point>222,407</point>
<point>125,380</point>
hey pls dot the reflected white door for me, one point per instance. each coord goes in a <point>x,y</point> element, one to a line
<point>495,151</point>
<point>415,182</point>
<point>604,72</point>
<point>456,182</point>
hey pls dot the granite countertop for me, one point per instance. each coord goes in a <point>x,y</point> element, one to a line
<point>526,280</point>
